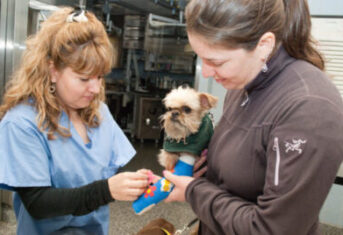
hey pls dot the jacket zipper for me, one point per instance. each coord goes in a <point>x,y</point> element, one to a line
<point>277,164</point>
<point>246,100</point>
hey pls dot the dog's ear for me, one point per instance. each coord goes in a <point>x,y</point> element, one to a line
<point>207,101</point>
<point>185,86</point>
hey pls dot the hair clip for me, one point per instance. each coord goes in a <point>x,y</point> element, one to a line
<point>77,16</point>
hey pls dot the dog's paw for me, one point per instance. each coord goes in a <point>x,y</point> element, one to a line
<point>167,159</point>
<point>170,164</point>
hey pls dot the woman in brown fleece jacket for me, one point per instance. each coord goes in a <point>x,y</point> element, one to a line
<point>277,148</point>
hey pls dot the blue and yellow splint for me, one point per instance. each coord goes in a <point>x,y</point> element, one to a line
<point>161,189</point>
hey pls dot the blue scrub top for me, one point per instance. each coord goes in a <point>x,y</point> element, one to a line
<point>29,159</point>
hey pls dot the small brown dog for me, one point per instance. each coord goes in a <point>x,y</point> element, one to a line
<point>185,123</point>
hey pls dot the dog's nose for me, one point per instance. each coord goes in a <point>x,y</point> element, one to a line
<point>175,114</point>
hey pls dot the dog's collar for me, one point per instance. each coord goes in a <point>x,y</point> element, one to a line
<point>166,231</point>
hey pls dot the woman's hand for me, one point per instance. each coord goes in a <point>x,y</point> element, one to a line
<point>181,183</point>
<point>128,186</point>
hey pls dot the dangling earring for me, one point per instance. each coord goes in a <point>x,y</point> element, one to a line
<point>52,88</point>
<point>265,67</point>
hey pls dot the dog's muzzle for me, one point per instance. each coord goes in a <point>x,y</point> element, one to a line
<point>174,116</point>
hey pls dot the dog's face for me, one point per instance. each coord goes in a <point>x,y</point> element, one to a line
<point>185,109</point>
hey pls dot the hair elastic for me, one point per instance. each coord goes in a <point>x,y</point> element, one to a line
<point>77,16</point>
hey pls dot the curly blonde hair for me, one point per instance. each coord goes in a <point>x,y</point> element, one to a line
<point>82,46</point>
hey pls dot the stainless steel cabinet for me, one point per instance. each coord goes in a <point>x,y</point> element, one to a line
<point>13,32</point>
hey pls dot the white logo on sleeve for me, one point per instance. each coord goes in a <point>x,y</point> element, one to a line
<point>295,145</point>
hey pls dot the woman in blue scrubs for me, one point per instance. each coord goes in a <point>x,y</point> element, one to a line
<point>59,145</point>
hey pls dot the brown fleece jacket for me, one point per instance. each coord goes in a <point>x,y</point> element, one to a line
<point>274,154</point>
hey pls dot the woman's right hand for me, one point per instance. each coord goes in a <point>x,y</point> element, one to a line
<point>180,185</point>
<point>128,186</point>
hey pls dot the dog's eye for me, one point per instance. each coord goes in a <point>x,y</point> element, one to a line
<point>186,109</point>
<point>169,109</point>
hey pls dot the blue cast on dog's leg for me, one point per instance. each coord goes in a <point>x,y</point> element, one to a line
<point>161,189</point>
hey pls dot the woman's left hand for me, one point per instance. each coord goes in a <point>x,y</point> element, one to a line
<point>181,183</point>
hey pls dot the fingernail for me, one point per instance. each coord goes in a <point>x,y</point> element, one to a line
<point>150,176</point>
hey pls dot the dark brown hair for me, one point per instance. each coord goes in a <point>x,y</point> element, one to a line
<point>241,23</point>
